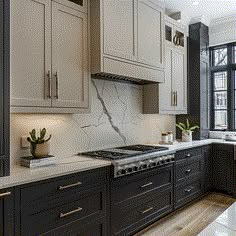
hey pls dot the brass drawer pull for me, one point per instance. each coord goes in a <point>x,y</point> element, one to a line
<point>188,190</point>
<point>5,194</point>
<point>146,185</point>
<point>147,210</point>
<point>49,85</point>
<point>188,171</point>
<point>69,186</point>
<point>188,155</point>
<point>70,212</point>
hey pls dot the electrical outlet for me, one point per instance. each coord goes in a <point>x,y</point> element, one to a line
<point>24,142</point>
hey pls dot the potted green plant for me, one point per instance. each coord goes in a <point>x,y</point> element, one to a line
<point>187,130</point>
<point>39,146</point>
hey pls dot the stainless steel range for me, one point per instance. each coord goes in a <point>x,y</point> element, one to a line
<point>130,159</point>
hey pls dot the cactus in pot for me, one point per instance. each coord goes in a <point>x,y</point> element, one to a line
<point>39,146</point>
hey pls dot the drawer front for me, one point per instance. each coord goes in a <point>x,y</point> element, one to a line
<point>93,227</point>
<point>128,219</point>
<point>125,188</point>
<point>187,192</point>
<point>59,190</point>
<point>188,169</point>
<point>188,153</point>
<point>89,204</point>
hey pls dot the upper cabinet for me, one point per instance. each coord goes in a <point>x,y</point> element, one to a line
<point>127,39</point>
<point>170,97</point>
<point>49,56</point>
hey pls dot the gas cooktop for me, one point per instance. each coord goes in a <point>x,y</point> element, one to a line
<point>124,152</point>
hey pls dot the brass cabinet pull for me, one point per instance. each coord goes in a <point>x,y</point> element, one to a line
<point>188,190</point>
<point>188,155</point>
<point>69,186</point>
<point>56,77</point>
<point>147,210</point>
<point>188,171</point>
<point>172,98</point>
<point>146,185</point>
<point>175,40</point>
<point>176,99</point>
<point>62,215</point>
<point>49,85</point>
<point>5,194</point>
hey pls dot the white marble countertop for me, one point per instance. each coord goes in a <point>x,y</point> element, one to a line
<point>223,225</point>
<point>22,175</point>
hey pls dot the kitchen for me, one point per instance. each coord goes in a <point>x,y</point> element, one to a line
<point>114,173</point>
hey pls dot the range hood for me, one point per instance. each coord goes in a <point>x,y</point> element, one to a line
<point>118,52</point>
<point>120,78</point>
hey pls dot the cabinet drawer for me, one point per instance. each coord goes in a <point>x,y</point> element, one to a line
<point>187,192</point>
<point>188,153</point>
<point>89,204</point>
<point>132,186</point>
<point>58,190</point>
<point>127,219</point>
<point>92,227</point>
<point>188,169</point>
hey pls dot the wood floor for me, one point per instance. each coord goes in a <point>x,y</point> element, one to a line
<point>192,219</point>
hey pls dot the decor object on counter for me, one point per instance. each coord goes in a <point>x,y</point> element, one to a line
<point>187,130</point>
<point>230,137</point>
<point>33,162</point>
<point>39,147</point>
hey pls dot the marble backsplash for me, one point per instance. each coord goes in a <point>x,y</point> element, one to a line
<point>116,119</point>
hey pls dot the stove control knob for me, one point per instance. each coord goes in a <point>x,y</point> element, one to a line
<point>130,168</point>
<point>152,163</point>
<point>120,171</point>
<point>142,165</point>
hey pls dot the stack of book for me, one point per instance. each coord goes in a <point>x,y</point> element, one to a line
<point>33,162</point>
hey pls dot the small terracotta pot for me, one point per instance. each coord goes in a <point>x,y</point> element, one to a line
<point>40,150</point>
<point>187,136</point>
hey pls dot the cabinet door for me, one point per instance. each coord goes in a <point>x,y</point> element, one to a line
<point>6,213</point>
<point>179,80</point>
<point>150,34</point>
<point>30,53</point>
<point>223,168</point>
<point>119,26</point>
<point>69,57</point>
<point>165,89</point>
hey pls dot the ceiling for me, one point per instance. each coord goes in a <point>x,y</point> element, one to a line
<point>209,9</point>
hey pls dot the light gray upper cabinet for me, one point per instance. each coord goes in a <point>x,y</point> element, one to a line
<point>150,35</point>
<point>127,39</point>
<point>170,97</point>
<point>49,57</point>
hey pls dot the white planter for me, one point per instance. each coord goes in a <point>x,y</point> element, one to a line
<point>187,136</point>
<point>40,150</point>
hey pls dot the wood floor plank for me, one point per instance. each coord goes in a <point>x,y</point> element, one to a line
<point>192,219</point>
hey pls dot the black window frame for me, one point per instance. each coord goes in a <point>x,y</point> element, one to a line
<point>230,68</point>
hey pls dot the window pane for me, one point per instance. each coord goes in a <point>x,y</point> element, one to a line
<point>220,100</point>
<point>220,119</point>
<point>220,80</point>
<point>220,56</point>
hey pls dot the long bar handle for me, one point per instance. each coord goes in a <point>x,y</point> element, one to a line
<point>62,215</point>
<point>147,210</point>
<point>2,195</point>
<point>172,98</point>
<point>56,76</point>
<point>146,185</point>
<point>176,99</point>
<point>69,186</point>
<point>49,84</point>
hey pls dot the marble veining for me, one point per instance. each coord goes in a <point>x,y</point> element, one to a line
<point>115,119</point>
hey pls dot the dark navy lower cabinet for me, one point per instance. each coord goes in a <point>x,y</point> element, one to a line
<point>224,168</point>
<point>140,199</point>
<point>7,212</point>
<point>75,204</point>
